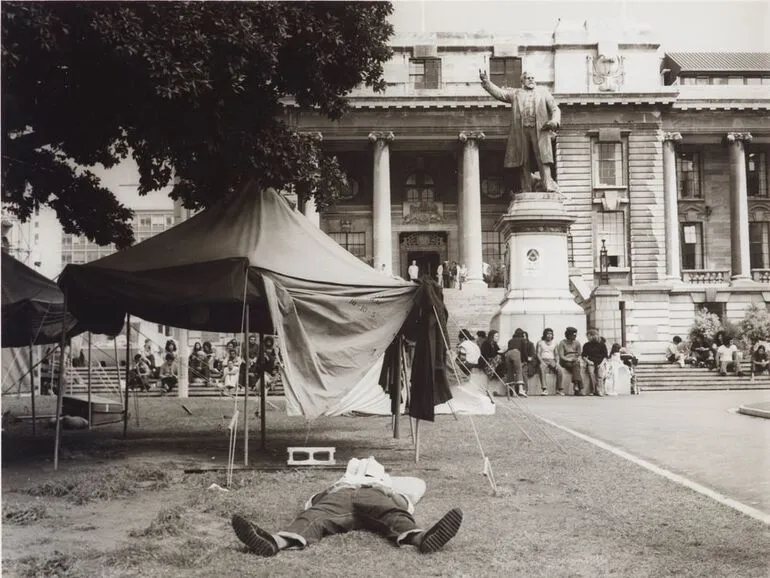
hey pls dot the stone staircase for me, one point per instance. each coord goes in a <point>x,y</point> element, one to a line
<point>108,382</point>
<point>471,310</point>
<point>667,376</point>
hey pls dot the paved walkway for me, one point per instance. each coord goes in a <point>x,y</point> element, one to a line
<point>698,435</point>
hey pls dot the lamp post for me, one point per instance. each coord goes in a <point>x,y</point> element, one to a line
<point>604,265</point>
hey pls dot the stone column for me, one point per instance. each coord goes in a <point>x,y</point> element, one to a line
<point>471,210</point>
<point>670,195</point>
<point>383,231</point>
<point>739,208</point>
<point>311,212</point>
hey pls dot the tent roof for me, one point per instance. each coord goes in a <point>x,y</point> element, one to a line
<point>196,274</point>
<point>32,306</point>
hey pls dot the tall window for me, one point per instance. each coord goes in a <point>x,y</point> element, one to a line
<point>505,71</point>
<point>756,173</point>
<point>608,164</point>
<point>420,187</point>
<point>425,72</point>
<point>611,227</point>
<point>691,235</point>
<point>492,247</point>
<point>759,244</point>
<point>354,243</point>
<point>688,175</point>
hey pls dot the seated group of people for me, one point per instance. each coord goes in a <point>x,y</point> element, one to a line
<point>205,365</point>
<point>721,354</point>
<point>146,369</point>
<point>233,371</point>
<point>522,359</point>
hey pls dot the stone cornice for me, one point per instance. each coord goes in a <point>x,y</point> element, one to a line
<point>384,135</point>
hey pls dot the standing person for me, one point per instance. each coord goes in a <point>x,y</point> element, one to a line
<point>365,498</point>
<point>516,357</point>
<point>414,272</point>
<point>615,364</point>
<point>440,275</point>
<point>462,272</point>
<point>534,119</point>
<point>454,276</point>
<point>568,352</point>
<point>548,361</point>
<point>595,353</point>
<point>447,278</point>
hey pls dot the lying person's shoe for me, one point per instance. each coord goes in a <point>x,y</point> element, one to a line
<point>255,538</point>
<point>436,537</point>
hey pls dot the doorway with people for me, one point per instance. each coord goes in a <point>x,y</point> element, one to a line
<point>425,251</point>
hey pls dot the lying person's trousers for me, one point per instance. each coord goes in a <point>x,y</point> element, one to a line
<point>349,509</point>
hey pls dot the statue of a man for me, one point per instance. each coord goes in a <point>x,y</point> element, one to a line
<point>534,118</point>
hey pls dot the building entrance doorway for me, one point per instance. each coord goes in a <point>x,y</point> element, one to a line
<point>427,261</point>
<point>427,249</point>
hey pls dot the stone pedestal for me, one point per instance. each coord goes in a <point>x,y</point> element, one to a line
<point>537,292</point>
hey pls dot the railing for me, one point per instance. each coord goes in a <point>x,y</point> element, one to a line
<point>705,276</point>
<point>761,275</point>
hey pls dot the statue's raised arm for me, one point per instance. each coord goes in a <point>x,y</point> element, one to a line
<point>535,117</point>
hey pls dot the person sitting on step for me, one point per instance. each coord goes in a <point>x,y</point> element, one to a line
<point>728,357</point>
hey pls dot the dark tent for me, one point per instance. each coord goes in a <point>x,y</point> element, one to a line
<point>32,307</point>
<point>335,316</point>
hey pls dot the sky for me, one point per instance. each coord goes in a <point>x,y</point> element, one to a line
<point>681,25</point>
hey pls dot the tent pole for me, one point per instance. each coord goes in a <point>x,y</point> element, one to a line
<point>397,385</point>
<point>262,393</point>
<point>89,381</point>
<point>417,441</point>
<point>128,368</point>
<point>60,393</point>
<point>32,382</point>
<point>246,391</point>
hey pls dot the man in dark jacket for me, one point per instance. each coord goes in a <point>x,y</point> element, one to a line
<point>594,352</point>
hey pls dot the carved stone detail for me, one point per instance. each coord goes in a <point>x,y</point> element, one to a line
<point>384,135</point>
<point>674,137</point>
<point>471,135</point>
<point>733,137</point>
<point>424,240</point>
<point>608,72</point>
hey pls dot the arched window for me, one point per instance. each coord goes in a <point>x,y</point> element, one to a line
<point>420,188</point>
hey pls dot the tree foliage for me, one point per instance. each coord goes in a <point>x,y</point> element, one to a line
<point>755,326</point>
<point>194,92</point>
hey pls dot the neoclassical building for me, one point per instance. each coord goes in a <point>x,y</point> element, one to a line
<point>662,159</point>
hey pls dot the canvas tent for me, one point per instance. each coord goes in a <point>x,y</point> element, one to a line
<point>335,316</point>
<point>32,307</point>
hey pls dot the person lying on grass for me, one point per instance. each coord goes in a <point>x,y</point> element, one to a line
<point>365,498</point>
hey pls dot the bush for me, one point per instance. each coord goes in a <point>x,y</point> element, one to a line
<point>705,326</point>
<point>754,327</point>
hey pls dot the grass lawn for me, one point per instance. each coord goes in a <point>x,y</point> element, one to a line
<point>126,507</point>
